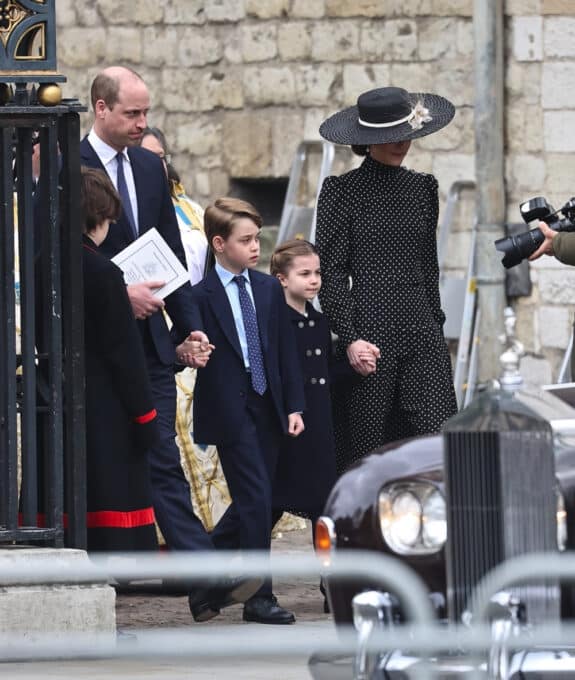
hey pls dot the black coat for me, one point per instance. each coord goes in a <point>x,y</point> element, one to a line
<point>155,209</point>
<point>306,468</point>
<point>120,416</point>
<point>220,399</point>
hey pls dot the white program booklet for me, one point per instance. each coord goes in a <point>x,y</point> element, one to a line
<point>150,258</point>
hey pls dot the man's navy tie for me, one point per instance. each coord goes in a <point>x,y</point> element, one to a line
<point>258,372</point>
<point>124,195</point>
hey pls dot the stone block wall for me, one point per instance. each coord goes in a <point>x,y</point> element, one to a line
<point>237,84</point>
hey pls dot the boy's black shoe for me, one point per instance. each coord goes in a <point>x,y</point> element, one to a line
<point>265,609</point>
<point>205,603</point>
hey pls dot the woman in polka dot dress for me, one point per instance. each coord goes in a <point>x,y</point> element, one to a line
<point>376,234</point>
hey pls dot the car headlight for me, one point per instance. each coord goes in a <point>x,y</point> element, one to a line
<point>412,518</point>
<point>561,522</point>
<point>434,523</point>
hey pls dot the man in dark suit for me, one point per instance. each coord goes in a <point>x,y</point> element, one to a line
<point>120,101</point>
<point>251,391</point>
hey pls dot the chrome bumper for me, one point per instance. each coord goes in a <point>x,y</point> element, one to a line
<point>545,664</point>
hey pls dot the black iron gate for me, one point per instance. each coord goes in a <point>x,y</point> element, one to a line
<point>42,445</point>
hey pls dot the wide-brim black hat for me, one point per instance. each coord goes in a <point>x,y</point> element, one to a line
<point>387,115</point>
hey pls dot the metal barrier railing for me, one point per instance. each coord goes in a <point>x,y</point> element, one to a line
<point>422,633</point>
<point>388,572</point>
<point>521,570</point>
<point>198,566</point>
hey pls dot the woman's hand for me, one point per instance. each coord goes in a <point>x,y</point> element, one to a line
<point>369,361</point>
<point>362,356</point>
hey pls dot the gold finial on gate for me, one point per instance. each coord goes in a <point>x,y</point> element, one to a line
<point>28,51</point>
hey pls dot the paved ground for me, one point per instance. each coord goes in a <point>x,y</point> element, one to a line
<point>138,611</point>
<point>301,596</point>
<point>257,669</point>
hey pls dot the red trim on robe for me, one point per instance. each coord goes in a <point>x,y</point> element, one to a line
<point>110,519</point>
<point>120,520</point>
<point>92,250</point>
<point>150,415</point>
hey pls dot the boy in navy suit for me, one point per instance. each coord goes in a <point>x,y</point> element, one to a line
<point>250,394</point>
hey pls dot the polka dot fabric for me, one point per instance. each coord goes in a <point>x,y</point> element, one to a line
<point>376,234</point>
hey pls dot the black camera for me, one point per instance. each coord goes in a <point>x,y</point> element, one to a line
<point>517,248</point>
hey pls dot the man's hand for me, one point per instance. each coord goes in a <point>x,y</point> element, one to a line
<point>546,248</point>
<point>195,350</point>
<point>144,302</point>
<point>362,356</point>
<point>295,424</point>
<point>202,338</point>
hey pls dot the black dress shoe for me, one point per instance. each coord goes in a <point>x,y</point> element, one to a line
<point>205,603</point>
<point>202,605</point>
<point>265,609</point>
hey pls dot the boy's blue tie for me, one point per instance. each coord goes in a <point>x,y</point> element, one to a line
<point>124,195</point>
<point>258,372</point>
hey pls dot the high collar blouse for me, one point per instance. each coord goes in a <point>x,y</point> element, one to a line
<point>376,235</point>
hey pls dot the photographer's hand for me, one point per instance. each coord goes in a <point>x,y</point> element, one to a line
<point>546,248</point>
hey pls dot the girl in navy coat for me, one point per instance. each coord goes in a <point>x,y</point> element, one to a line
<point>306,468</point>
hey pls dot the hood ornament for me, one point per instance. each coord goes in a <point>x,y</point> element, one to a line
<point>510,378</point>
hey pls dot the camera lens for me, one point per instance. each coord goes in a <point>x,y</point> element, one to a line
<point>516,248</point>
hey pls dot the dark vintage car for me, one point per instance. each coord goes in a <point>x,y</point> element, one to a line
<point>499,482</point>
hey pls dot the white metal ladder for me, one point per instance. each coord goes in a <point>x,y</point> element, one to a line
<point>298,221</point>
<point>565,371</point>
<point>459,301</point>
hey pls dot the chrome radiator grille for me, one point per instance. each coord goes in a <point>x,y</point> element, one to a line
<point>501,501</point>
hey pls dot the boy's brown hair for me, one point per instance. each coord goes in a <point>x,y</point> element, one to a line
<point>284,255</point>
<point>98,198</point>
<point>220,217</point>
